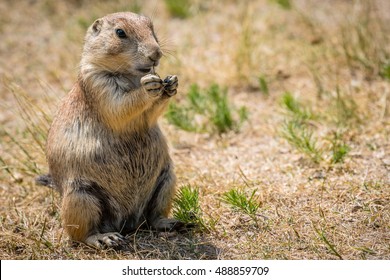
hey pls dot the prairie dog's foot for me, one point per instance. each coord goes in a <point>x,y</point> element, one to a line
<point>170,85</point>
<point>152,84</point>
<point>109,239</point>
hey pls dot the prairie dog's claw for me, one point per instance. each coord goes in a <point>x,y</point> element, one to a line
<point>170,84</point>
<point>152,84</point>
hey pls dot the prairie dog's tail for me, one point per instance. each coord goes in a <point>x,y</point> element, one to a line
<point>45,180</point>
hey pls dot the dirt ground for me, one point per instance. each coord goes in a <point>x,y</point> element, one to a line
<point>332,56</point>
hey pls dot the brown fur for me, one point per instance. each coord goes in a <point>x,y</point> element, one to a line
<point>106,153</point>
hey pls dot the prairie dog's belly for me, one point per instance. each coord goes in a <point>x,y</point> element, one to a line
<point>131,164</point>
<point>124,174</point>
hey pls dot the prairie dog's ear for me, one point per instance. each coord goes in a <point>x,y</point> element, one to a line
<point>97,26</point>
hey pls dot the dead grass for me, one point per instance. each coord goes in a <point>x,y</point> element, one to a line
<point>325,209</point>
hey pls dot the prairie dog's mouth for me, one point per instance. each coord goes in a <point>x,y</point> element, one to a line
<point>146,69</point>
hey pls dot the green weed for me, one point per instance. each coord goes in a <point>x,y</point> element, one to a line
<point>321,234</point>
<point>136,6</point>
<point>186,206</point>
<point>295,107</point>
<point>221,114</point>
<point>285,4</point>
<point>301,137</point>
<point>263,86</point>
<point>206,110</point>
<point>244,62</point>
<point>339,152</point>
<point>178,8</point>
<point>297,129</point>
<point>365,41</point>
<point>339,148</point>
<point>345,109</point>
<point>197,100</point>
<point>180,117</point>
<point>27,163</point>
<point>240,201</point>
<point>83,22</point>
<point>385,73</point>
<point>29,142</point>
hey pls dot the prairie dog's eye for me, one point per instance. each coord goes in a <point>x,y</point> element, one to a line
<point>120,33</point>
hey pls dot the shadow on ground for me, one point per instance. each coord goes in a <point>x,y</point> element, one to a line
<point>152,245</point>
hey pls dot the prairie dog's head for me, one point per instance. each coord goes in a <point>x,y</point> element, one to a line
<point>122,43</point>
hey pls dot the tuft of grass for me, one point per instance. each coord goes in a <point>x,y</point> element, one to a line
<point>298,132</point>
<point>365,40</point>
<point>27,163</point>
<point>301,137</point>
<point>246,43</point>
<point>178,8</point>
<point>345,109</point>
<point>136,6</point>
<point>339,152</point>
<point>339,148</point>
<point>83,22</point>
<point>30,141</point>
<point>240,201</point>
<point>295,107</point>
<point>263,86</point>
<point>322,236</point>
<point>385,72</point>
<point>206,111</point>
<point>186,207</point>
<point>220,113</point>
<point>180,117</point>
<point>285,4</point>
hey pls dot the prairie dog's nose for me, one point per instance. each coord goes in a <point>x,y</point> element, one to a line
<point>155,54</point>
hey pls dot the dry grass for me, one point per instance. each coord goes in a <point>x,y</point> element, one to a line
<point>334,65</point>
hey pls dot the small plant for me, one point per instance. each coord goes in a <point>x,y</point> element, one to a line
<point>385,73</point>
<point>220,113</point>
<point>246,43</point>
<point>208,110</point>
<point>322,236</point>
<point>295,107</point>
<point>181,117</point>
<point>186,206</point>
<point>365,40</point>
<point>339,148</point>
<point>285,4</point>
<point>301,137</point>
<point>339,152</point>
<point>135,6</point>
<point>345,109</point>
<point>263,86</point>
<point>178,8</point>
<point>28,144</point>
<point>240,201</point>
<point>298,132</point>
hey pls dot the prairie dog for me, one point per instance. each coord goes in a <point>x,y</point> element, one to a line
<point>106,153</point>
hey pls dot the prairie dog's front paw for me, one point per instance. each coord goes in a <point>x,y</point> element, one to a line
<point>152,84</point>
<point>170,85</point>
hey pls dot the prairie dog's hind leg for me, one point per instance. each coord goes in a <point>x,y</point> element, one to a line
<point>82,208</point>
<point>160,203</point>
